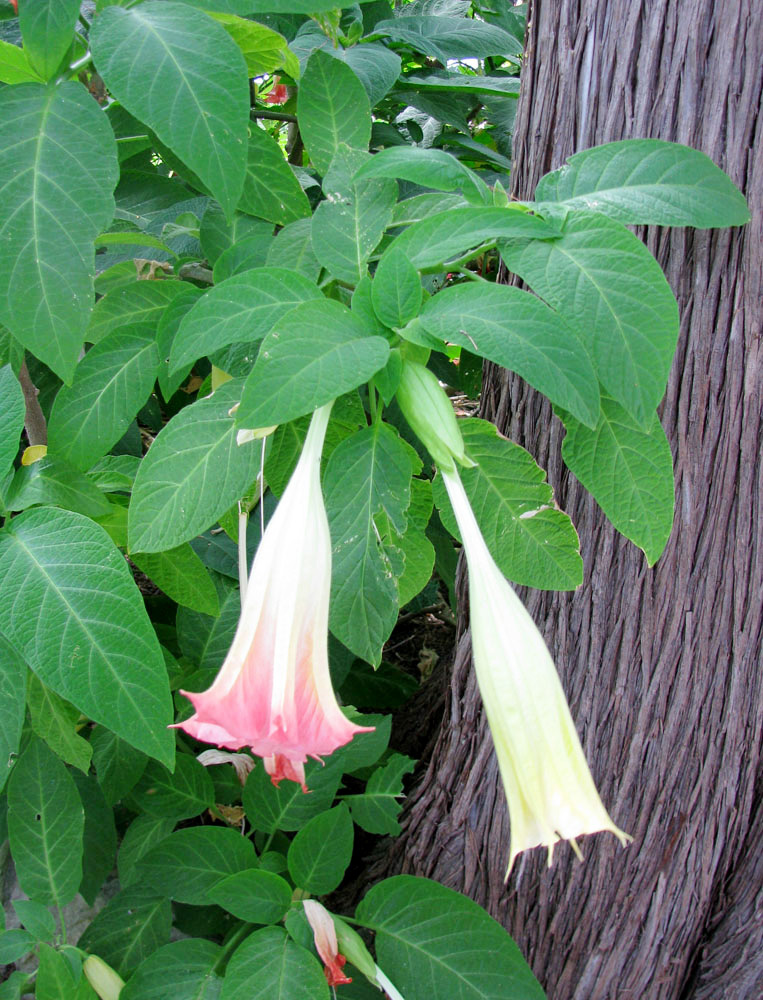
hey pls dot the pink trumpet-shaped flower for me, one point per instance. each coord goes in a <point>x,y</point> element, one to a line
<point>324,934</point>
<point>273,692</point>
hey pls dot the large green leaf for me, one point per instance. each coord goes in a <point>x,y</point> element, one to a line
<point>218,233</point>
<point>187,863</point>
<point>139,305</point>
<point>376,66</point>
<point>270,966</point>
<point>271,189</point>
<point>13,681</point>
<point>264,49</point>
<point>192,473</point>
<point>515,329</point>
<point>433,942</point>
<point>69,604</point>
<point>198,99</point>
<point>117,764</point>
<point>533,542</point>
<point>333,108</point>
<point>58,168</point>
<point>259,897</point>
<point>317,352</point>
<point>368,474</point>
<point>206,640</point>
<point>396,291</point>
<point>182,576</point>
<point>321,851</point>
<point>55,975</point>
<point>455,81</point>
<point>377,809</point>
<point>111,383</point>
<point>432,168</point>
<point>186,792</point>
<point>47,28</point>
<point>12,413</point>
<point>100,844</point>
<point>286,807</point>
<point>240,310</point>
<point>442,37</point>
<point>647,181</point>
<point>350,221</point>
<point>436,240</point>
<point>15,66</point>
<point>183,970</point>
<point>131,926</point>
<point>629,470</point>
<point>604,281</point>
<point>45,826</point>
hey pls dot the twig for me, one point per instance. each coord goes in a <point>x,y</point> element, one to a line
<point>34,420</point>
<point>273,116</point>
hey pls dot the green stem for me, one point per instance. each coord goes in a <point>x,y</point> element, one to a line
<point>235,940</point>
<point>454,265</point>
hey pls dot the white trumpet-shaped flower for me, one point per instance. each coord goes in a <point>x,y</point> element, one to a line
<point>273,692</point>
<point>550,791</point>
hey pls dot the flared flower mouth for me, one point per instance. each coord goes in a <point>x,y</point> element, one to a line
<point>549,788</point>
<point>273,693</point>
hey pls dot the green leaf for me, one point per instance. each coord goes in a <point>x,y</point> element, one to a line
<point>432,168</point>
<point>67,599</point>
<point>376,66</point>
<point>258,897</point>
<point>433,942</point>
<point>192,473</point>
<point>455,81</point>
<point>515,329</point>
<point>144,833</point>
<point>271,189</point>
<point>198,101</point>
<point>129,928</point>
<point>333,108</point>
<point>629,471</point>
<point>45,826</point>
<point>15,66</point>
<point>37,918</point>
<point>442,37</point>
<point>242,309</point>
<point>47,27</point>
<point>604,281</point>
<point>187,863</point>
<point>55,976</point>
<point>182,794</point>
<point>51,480</point>
<point>419,562</point>
<point>533,543</point>
<point>245,255</point>
<point>182,576</point>
<point>321,851</point>
<point>218,234</point>
<point>367,474</point>
<point>287,807</point>
<point>14,944</point>
<point>100,844</point>
<point>440,238</point>
<point>59,166</point>
<point>317,352</point>
<point>13,681</point>
<point>117,764</point>
<point>168,326</point>
<point>264,49</point>
<point>351,220</point>
<point>110,385</point>
<point>364,749</point>
<point>184,970</point>
<point>270,966</point>
<point>12,413</point>
<point>377,809</point>
<point>647,182</point>
<point>55,721</point>
<point>396,290</point>
<point>293,248</point>
<point>386,687</point>
<point>139,305</point>
<point>206,640</point>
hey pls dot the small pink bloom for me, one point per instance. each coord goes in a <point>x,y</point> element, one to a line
<point>273,692</point>
<point>324,934</point>
<point>278,94</point>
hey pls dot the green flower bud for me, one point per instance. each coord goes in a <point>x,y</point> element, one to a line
<point>106,983</point>
<point>352,946</point>
<point>428,410</point>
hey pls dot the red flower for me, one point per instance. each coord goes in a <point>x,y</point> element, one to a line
<point>324,934</point>
<point>278,94</point>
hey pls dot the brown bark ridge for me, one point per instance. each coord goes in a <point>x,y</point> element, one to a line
<point>662,667</point>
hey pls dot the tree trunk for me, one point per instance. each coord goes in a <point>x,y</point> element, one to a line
<point>661,667</point>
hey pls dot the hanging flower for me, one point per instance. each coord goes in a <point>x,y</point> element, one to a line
<point>550,791</point>
<point>273,692</point>
<point>324,935</point>
<point>278,93</point>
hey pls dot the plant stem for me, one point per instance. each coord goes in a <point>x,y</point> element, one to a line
<point>235,940</point>
<point>34,420</point>
<point>273,116</point>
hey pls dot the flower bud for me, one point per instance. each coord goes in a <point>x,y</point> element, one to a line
<point>352,946</point>
<point>106,983</point>
<point>426,407</point>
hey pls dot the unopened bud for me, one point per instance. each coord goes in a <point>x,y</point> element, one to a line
<point>104,980</point>
<point>426,407</point>
<point>352,946</point>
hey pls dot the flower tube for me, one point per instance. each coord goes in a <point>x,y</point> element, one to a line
<point>549,788</point>
<point>273,692</point>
